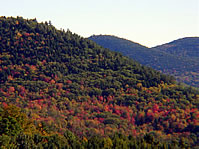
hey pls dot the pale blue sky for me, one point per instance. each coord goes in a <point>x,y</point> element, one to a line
<point>148,22</point>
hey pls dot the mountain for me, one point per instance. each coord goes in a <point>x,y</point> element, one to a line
<point>178,58</point>
<point>185,47</point>
<point>59,90</point>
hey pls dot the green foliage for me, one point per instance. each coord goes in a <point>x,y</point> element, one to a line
<point>11,121</point>
<point>178,58</point>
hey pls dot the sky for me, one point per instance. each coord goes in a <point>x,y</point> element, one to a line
<point>148,22</point>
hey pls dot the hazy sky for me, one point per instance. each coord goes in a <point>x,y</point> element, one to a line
<point>148,22</point>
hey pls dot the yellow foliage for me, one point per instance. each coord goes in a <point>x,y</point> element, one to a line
<point>85,139</point>
<point>29,38</point>
<point>149,111</point>
<point>107,143</point>
<point>10,77</point>
<point>139,85</point>
<point>19,34</point>
<point>173,117</point>
<point>34,116</point>
<point>43,42</point>
<point>17,22</point>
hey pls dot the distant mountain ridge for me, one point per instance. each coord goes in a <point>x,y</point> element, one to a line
<point>186,47</point>
<point>178,58</point>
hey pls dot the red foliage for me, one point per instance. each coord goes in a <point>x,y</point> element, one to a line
<point>71,111</point>
<point>67,92</point>
<point>11,89</point>
<point>168,100</point>
<point>22,90</point>
<point>155,108</point>
<point>56,77</point>
<point>46,79</point>
<point>52,81</point>
<point>1,90</point>
<point>40,101</point>
<point>148,91</point>
<point>134,132</point>
<point>117,112</point>
<point>111,106</point>
<point>5,105</point>
<point>10,77</point>
<point>100,98</point>
<point>59,85</point>
<point>110,98</point>
<point>101,119</point>
<point>165,113</point>
<point>197,115</point>
<point>106,108</point>
<point>68,81</point>
<point>16,42</point>
<point>195,122</point>
<point>132,120</point>
<point>43,62</point>
<point>33,67</point>
<point>193,110</point>
<point>128,117</point>
<point>136,102</point>
<point>26,34</point>
<point>150,113</point>
<point>5,68</point>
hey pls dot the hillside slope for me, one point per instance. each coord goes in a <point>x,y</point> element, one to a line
<point>178,58</point>
<point>59,90</point>
<point>186,47</point>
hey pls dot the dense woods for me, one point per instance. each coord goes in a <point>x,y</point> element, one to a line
<point>59,90</point>
<point>179,58</point>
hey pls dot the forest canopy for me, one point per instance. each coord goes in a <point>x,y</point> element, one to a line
<point>69,92</point>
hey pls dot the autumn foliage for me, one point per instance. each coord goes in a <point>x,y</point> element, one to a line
<point>79,94</point>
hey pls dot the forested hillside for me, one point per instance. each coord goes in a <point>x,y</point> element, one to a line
<point>59,90</point>
<point>179,58</point>
<point>185,47</point>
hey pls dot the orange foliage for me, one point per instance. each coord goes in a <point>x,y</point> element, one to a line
<point>11,89</point>
<point>52,81</point>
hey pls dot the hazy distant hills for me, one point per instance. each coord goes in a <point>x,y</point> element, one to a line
<point>185,47</point>
<point>178,58</point>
